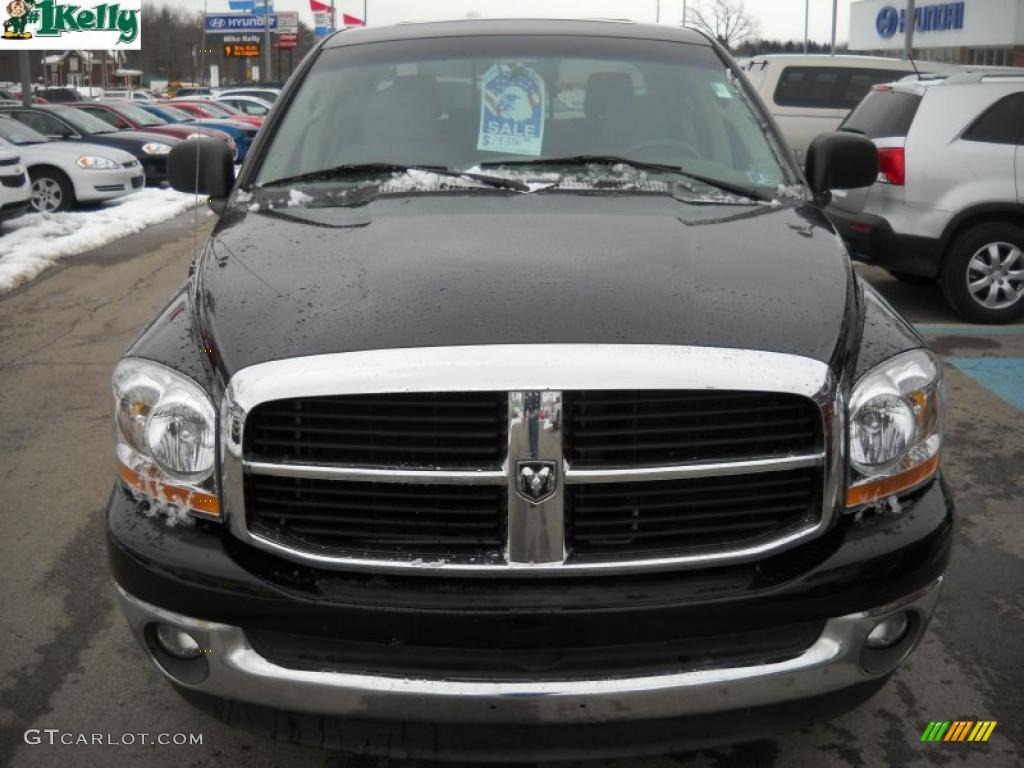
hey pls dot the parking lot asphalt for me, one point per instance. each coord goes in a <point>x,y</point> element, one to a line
<point>68,661</point>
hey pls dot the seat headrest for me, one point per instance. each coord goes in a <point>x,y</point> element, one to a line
<point>409,109</point>
<point>608,92</point>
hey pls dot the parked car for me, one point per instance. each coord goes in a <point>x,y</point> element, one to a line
<point>949,202</point>
<point>241,133</point>
<point>193,91</point>
<point>60,95</point>
<point>127,115</point>
<point>267,94</point>
<point>208,108</point>
<point>64,122</point>
<point>15,190</point>
<point>809,95</point>
<point>563,431</point>
<point>129,95</point>
<point>66,173</point>
<point>247,105</point>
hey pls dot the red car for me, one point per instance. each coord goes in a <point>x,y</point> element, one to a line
<point>213,109</point>
<point>124,115</point>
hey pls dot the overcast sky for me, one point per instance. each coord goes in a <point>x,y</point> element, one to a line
<point>777,18</point>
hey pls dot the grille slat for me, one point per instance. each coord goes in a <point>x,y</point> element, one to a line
<point>653,428</point>
<point>445,430</point>
<point>708,513</point>
<point>653,519</point>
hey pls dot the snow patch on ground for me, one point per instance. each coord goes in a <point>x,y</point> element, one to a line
<point>34,242</point>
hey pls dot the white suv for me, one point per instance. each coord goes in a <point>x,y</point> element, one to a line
<point>15,191</point>
<point>810,95</point>
<point>949,201</point>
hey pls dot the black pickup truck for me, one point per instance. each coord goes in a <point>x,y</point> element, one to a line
<point>524,404</point>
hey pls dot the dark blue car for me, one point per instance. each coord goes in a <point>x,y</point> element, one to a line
<point>241,133</point>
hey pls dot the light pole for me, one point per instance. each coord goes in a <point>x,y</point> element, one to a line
<point>835,16</point>
<point>684,13</point>
<point>807,21</point>
<point>266,41</point>
<point>908,39</point>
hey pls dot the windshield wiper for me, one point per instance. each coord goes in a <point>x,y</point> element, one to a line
<point>364,169</point>
<point>584,160</point>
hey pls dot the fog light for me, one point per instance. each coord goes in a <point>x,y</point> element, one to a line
<point>888,632</point>
<point>177,642</point>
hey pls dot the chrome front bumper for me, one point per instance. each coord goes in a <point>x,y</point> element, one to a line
<point>237,672</point>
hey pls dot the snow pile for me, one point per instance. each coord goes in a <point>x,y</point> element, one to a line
<point>33,242</point>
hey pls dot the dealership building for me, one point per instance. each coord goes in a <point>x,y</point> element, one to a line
<point>989,32</point>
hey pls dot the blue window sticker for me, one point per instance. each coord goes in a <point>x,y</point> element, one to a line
<point>721,90</point>
<point>512,111</point>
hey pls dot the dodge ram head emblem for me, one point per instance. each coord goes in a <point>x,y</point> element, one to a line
<point>536,480</point>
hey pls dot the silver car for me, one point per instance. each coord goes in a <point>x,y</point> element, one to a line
<point>65,173</point>
<point>949,201</point>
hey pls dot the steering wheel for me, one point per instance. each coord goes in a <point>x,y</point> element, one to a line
<point>661,143</point>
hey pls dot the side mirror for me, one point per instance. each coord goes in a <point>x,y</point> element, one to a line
<point>841,161</point>
<point>202,166</point>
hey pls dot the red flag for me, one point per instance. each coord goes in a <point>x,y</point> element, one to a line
<point>351,21</point>
<point>317,7</point>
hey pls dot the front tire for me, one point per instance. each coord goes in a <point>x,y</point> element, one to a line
<point>983,274</point>
<point>51,191</point>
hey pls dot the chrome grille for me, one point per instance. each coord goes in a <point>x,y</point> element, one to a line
<point>541,480</point>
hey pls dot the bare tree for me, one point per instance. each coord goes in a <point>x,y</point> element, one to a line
<point>725,20</point>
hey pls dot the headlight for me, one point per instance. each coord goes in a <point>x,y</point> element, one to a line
<point>156,148</point>
<point>197,136</point>
<point>94,163</point>
<point>895,424</point>
<point>166,429</point>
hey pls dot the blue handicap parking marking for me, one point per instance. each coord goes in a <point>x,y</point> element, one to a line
<point>1002,375</point>
<point>932,329</point>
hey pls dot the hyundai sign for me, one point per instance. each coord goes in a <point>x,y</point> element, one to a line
<point>234,23</point>
<point>941,17</point>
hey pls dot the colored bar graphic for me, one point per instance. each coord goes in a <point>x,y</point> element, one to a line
<point>935,730</point>
<point>959,730</point>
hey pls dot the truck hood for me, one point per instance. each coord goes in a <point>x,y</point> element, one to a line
<point>426,270</point>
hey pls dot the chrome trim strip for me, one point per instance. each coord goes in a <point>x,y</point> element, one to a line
<point>527,367</point>
<point>359,474</point>
<point>536,529</point>
<point>684,471</point>
<point>546,368</point>
<point>237,672</point>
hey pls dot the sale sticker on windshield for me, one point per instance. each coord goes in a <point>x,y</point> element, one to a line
<point>512,111</point>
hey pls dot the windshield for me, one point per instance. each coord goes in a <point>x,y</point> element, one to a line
<point>19,134</point>
<point>884,113</point>
<point>139,115</point>
<point>481,101</point>
<point>83,122</point>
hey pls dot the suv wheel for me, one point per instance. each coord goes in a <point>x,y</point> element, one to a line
<point>983,275</point>
<point>51,191</point>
